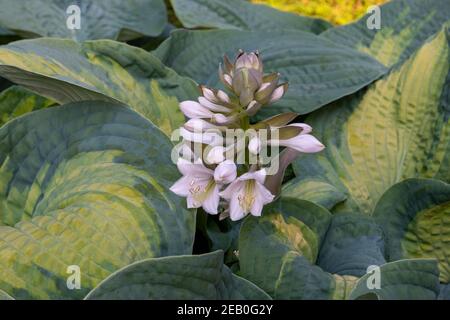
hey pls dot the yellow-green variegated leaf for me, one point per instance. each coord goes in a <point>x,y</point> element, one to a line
<point>404,26</point>
<point>237,14</point>
<point>67,71</point>
<point>318,192</point>
<point>177,278</point>
<point>16,101</point>
<point>99,19</point>
<point>87,185</point>
<point>396,129</point>
<point>319,71</point>
<point>411,279</point>
<point>415,216</point>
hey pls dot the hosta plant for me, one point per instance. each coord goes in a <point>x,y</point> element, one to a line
<point>93,180</point>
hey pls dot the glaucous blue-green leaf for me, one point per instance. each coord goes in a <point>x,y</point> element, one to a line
<point>415,216</point>
<point>404,26</point>
<point>85,184</point>
<point>67,71</point>
<point>177,277</point>
<point>16,101</point>
<point>411,279</point>
<point>99,19</point>
<point>277,252</point>
<point>318,192</point>
<point>237,14</point>
<point>318,70</point>
<point>444,294</point>
<point>299,279</point>
<point>352,244</point>
<point>396,129</point>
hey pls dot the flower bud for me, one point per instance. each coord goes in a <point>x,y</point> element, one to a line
<point>225,172</point>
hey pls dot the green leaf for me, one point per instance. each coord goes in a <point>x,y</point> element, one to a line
<point>318,70</point>
<point>321,193</point>
<point>405,26</point>
<point>286,226</point>
<point>111,19</point>
<point>5,296</point>
<point>415,216</point>
<point>67,71</point>
<point>299,279</point>
<point>353,242</point>
<point>415,279</point>
<point>237,14</point>
<point>444,294</point>
<point>84,184</point>
<point>397,129</point>
<point>16,101</point>
<point>180,277</point>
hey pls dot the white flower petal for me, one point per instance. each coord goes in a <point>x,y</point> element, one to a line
<point>236,212</point>
<point>277,94</point>
<point>193,109</point>
<point>259,176</point>
<point>194,170</point>
<point>211,203</point>
<point>305,143</point>
<point>181,186</point>
<point>212,106</point>
<point>262,197</point>
<point>223,96</point>
<point>225,172</point>
<point>232,189</point>
<point>216,155</point>
<point>254,145</point>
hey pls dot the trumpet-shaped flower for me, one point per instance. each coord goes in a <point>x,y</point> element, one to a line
<point>247,194</point>
<point>200,185</point>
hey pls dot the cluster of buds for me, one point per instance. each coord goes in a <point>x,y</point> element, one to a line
<point>228,172</point>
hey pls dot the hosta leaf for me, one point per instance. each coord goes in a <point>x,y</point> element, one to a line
<point>318,70</point>
<point>397,129</point>
<point>405,26</point>
<point>67,71</point>
<point>444,294</point>
<point>84,184</point>
<point>353,242</point>
<point>288,225</point>
<point>299,279</point>
<point>402,280</point>
<point>16,101</point>
<point>318,192</point>
<point>415,216</point>
<point>99,19</point>
<point>180,277</point>
<point>5,296</point>
<point>237,14</point>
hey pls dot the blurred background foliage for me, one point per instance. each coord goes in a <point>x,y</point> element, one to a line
<point>335,11</point>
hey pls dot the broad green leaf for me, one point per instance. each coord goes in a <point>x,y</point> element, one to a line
<point>319,71</point>
<point>318,192</point>
<point>16,101</point>
<point>414,279</point>
<point>286,226</point>
<point>180,277</point>
<point>237,14</point>
<point>84,184</point>
<point>5,296</point>
<point>444,294</point>
<point>67,71</point>
<point>415,216</point>
<point>99,19</point>
<point>396,129</point>
<point>299,279</point>
<point>405,26</point>
<point>353,242</point>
